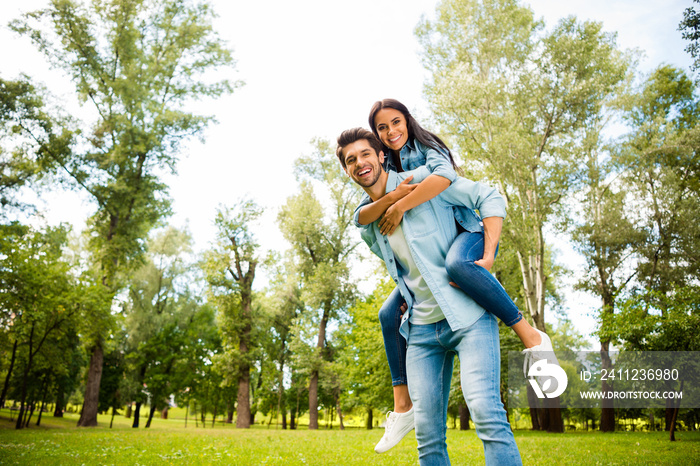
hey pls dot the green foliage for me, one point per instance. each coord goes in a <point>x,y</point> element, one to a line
<point>515,99</point>
<point>364,367</point>
<point>690,31</point>
<point>24,158</point>
<point>322,248</point>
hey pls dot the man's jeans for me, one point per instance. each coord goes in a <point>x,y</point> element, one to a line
<point>430,355</point>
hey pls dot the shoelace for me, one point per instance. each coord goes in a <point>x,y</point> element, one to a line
<point>390,420</point>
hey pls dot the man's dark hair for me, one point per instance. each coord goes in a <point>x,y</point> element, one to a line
<point>349,136</point>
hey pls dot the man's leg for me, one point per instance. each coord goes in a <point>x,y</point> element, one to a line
<point>429,369</point>
<point>480,372</point>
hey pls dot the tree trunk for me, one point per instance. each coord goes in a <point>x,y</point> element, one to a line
<point>313,400</point>
<point>111,421</point>
<point>676,408</point>
<point>229,412</point>
<point>164,413</point>
<point>313,383</point>
<point>9,375</point>
<point>463,417</point>
<point>43,401</point>
<point>25,377</point>
<point>60,401</point>
<point>553,414</point>
<point>607,413</point>
<point>340,412</point>
<point>370,418</point>
<point>150,415</point>
<point>88,416</point>
<point>137,414</point>
<point>292,420</point>
<point>243,401</point>
<point>533,403</point>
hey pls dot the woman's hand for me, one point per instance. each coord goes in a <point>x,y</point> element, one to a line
<point>404,188</point>
<point>391,219</point>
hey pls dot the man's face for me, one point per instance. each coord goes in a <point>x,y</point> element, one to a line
<point>362,163</point>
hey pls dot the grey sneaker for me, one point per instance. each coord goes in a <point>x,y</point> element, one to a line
<point>396,427</point>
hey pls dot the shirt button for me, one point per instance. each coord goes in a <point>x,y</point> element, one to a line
<point>391,260</point>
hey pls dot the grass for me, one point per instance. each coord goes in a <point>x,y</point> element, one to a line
<point>59,442</point>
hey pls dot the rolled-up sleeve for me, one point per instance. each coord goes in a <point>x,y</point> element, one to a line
<point>366,200</point>
<point>487,200</point>
<point>437,163</point>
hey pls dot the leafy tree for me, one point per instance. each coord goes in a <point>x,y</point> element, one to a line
<point>29,134</point>
<point>283,304</point>
<point>159,310</point>
<point>365,368</point>
<point>690,31</point>
<point>137,64</point>
<point>606,236</point>
<point>516,100</point>
<point>38,295</point>
<point>661,169</point>
<point>322,246</point>
<point>230,269</point>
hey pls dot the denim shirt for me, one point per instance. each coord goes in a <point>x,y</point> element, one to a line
<point>413,155</point>
<point>430,230</point>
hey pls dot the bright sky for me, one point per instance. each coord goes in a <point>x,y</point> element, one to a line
<point>313,68</point>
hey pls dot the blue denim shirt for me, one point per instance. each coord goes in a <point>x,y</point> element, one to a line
<point>430,230</point>
<point>413,155</point>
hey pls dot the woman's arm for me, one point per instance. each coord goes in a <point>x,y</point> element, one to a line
<point>425,191</point>
<point>371,212</point>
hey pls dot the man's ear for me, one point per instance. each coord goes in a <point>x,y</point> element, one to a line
<point>381,157</point>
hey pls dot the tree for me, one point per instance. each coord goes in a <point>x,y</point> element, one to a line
<point>230,270</point>
<point>660,163</point>
<point>29,133</point>
<point>322,246</point>
<point>365,368</point>
<point>690,31</point>
<point>516,100</point>
<point>38,295</point>
<point>137,64</point>
<point>606,236</point>
<point>160,308</point>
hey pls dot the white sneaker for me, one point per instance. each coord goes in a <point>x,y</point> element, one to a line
<point>396,427</point>
<point>538,352</point>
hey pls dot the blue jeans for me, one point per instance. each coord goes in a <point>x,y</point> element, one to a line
<point>431,351</point>
<point>474,280</point>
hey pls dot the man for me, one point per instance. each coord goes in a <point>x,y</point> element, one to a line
<point>440,320</point>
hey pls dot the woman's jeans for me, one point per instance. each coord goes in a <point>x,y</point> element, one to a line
<point>431,351</point>
<point>474,280</point>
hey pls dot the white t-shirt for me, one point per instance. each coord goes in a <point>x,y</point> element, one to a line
<point>425,307</point>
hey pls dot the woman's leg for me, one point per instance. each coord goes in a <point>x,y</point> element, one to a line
<point>400,421</point>
<point>482,286</point>
<point>395,347</point>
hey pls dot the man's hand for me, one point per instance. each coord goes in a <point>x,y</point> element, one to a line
<point>485,263</point>
<point>391,219</point>
<point>403,307</point>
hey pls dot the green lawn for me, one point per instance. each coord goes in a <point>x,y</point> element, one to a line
<point>58,441</point>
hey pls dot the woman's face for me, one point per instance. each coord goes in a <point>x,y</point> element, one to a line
<point>391,127</point>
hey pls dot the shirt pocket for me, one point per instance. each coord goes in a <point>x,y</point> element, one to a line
<point>422,220</point>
